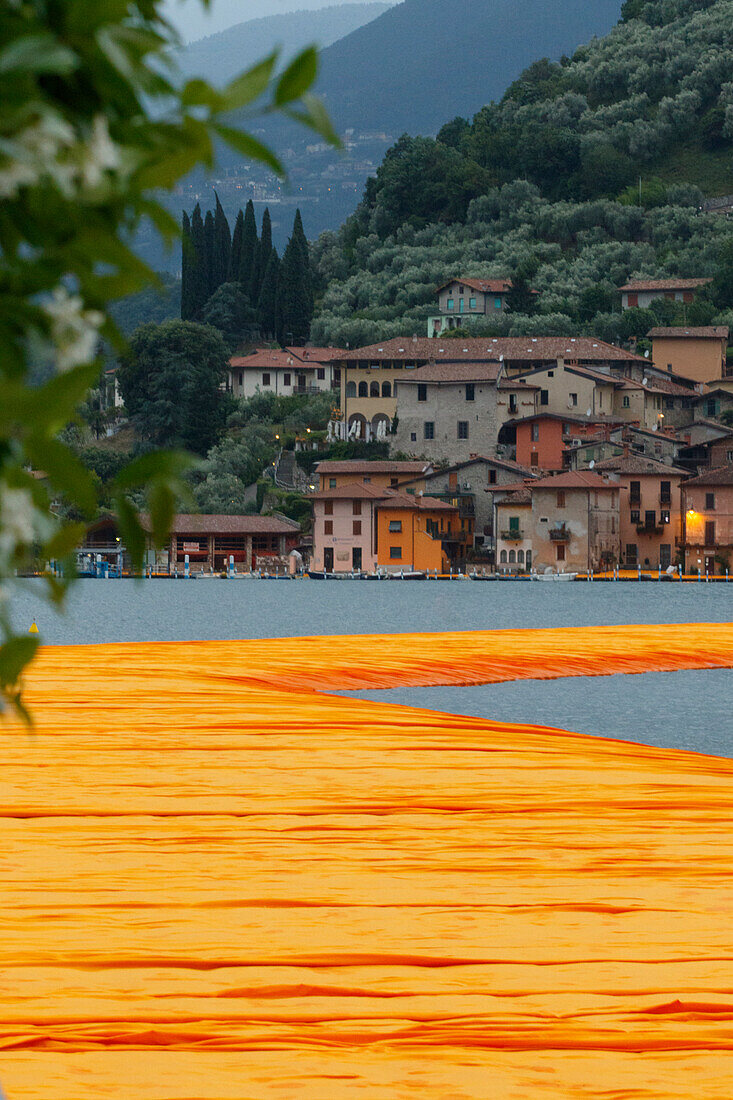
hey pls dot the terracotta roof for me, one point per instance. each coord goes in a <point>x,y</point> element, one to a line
<point>702,332</point>
<point>710,392</point>
<point>452,372</point>
<point>407,500</point>
<point>228,525</point>
<point>569,418</point>
<point>659,385</point>
<point>358,491</point>
<point>721,475</point>
<point>517,496</point>
<point>504,463</point>
<point>574,479</point>
<point>513,348</point>
<point>636,464</point>
<point>664,284</point>
<point>317,355</point>
<point>485,286</point>
<point>576,368</point>
<point>357,466</point>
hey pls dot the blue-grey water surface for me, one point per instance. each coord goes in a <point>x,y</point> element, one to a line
<point>690,710</point>
<point>167,610</point>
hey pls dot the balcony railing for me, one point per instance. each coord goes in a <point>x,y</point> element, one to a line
<point>512,535</point>
<point>559,534</point>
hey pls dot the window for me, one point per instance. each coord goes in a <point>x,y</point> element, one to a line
<point>357,526</point>
<point>386,389</point>
<point>633,300</point>
<point>711,407</point>
<point>514,524</point>
<point>374,389</point>
<point>634,516</point>
<point>503,557</point>
<point>492,477</point>
<point>550,374</point>
<point>413,437</point>
<point>497,303</point>
<point>520,557</point>
<point>286,380</point>
<point>356,508</point>
<point>561,498</point>
<point>631,556</point>
<point>729,456</point>
<point>560,551</point>
<point>470,391</point>
<point>460,288</point>
<point>635,493</point>
<point>665,555</point>
<point>512,557</point>
<point>471,303</point>
<point>665,492</point>
<point>534,459</point>
<point>429,429</point>
<point>332,483</point>
<point>512,402</point>
<point>451,304</point>
<point>535,433</point>
<point>395,525</point>
<point>395,552</point>
<point>422,392</point>
<point>710,532</point>
<point>351,389</point>
<point>669,402</point>
<point>321,373</point>
<point>363,389</point>
<point>394,482</point>
<point>463,429</point>
<point>544,397</point>
<point>265,380</point>
<point>573,399</point>
<point>626,402</point>
<point>328,508</point>
<point>366,480</point>
<point>328,527</point>
<point>241,377</point>
<point>710,502</point>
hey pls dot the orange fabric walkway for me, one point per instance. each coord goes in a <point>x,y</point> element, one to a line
<point>219,883</point>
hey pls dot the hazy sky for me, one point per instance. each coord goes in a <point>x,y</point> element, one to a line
<point>193,22</point>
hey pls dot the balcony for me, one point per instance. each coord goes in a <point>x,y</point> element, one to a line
<point>512,535</point>
<point>559,534</point>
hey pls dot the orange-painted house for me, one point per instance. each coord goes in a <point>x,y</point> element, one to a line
<point>419,533</point>
<point>542,440</point>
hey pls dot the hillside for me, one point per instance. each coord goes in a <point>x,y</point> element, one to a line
<point>220,57</point>
<point>425,60</point>
<point>546,182</point>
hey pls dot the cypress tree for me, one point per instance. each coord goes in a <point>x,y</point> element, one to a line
<point>236,248</point>
<point>265,245</point>
<point>197,266</point>
<point>209,253</point>
<point>295,292</point>
<point>268,299</point>
<point>249,248</point>
<point>254,282</point>
<point>186,258</point>
<point>222,246</point>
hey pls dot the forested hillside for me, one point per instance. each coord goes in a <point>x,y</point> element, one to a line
<point>545,184</point>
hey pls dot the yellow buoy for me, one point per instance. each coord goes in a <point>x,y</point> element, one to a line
<point>33,628</point>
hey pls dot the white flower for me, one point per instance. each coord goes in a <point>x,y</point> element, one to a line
<point>101,153</point>
<point>34,152</point>
<point>17,520</point>
<point>74,330</point>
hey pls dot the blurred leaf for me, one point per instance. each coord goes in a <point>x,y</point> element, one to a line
<point>298,77</point>
<point>248,146</point>
<point>64,471</point>
<point>15,654</point>
<point>65,540</point>
<point>131,531</point>
<point>162,504</point>
<point>251,85</point>
<point>316,117</point>
<point>155,464</point>
<point>37,53</point>
<point>198,93</point>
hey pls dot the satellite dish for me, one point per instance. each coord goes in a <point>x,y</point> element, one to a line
<point>646,354</point>
<point>501,358</point>
<point>591,464</point>
<point>588,412</point>
<point>645,381</point>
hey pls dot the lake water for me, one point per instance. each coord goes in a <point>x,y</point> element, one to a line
<point>689,710</point>
<point>166,610</point>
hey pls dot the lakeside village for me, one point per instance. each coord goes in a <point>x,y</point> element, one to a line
<point>514,457</point>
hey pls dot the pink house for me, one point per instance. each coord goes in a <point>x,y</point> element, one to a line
<point>344,528</point>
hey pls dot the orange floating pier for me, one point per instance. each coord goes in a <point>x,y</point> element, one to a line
<point>220,883</point>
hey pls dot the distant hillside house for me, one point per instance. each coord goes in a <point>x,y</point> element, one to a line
<point>283,372</point>
<point>640,293</point>
<point>467,298</point>
<point>697,353</point>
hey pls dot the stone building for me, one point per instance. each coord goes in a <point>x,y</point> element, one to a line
<point>575,522</point>
<point>650,509</point>
<point>707,518</point>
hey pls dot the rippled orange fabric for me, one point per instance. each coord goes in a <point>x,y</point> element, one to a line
<point>219,883</point>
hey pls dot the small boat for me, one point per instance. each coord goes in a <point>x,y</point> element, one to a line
<point>483,576</point>
<point>412,575</point>
<point>321,575</point>
<point>554,576</point>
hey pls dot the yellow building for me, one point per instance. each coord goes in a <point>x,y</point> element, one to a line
<point>696,353</point>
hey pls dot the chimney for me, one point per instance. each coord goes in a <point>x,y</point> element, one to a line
<point>626,448</point>
<point>414,337</point>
